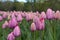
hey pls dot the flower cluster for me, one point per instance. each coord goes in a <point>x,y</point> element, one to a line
<point>14,17</point>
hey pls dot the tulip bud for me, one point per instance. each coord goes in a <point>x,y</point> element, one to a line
<point>49,14</point>
<point>19,18</point>
<point>4,15</point>
<point>43,15</point>
<point>11,36</point>
<point>5,25</point>
<point>1,18</point>
<point>16,31</point>
<point>33,27</point>
<point>42,24</point>
<point>57,14</point>
<point>37,22</point>
<point>12,23</point>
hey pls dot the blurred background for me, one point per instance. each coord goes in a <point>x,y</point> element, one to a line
<point>29,5</point>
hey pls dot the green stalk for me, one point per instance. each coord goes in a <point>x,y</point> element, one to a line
<point>43,35</point>
<point>50,30</point>
<point>3,34</point>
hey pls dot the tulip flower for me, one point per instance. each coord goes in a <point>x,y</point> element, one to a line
<point>1,18</point>
<point>13,16</point>
<point>33,27</point>
<point>19,18</point>
<point>37,22</point>
<point>17,31</point>
<point>57,14</point>
<point>23,14</point>
<point>11,36</point>
<point>49,14</point>
<point>28,17</point>
<point>5,24</point>
<point>43,15</point>
<point>42,23</point>
<point>12,23</point>
<point>4,15</point>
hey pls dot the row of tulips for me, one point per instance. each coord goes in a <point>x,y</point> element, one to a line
<point>16,17</point>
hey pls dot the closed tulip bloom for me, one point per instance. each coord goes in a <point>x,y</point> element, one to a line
<point>28,17</point>
<point>49,14</point>
<point>43,15</point>
<point>17,31</point>
<point>33,27</point>
<point>56,15</point>
<point>11,36</point>
<point>13,16</point>
<point>4,15</point>
<point>39,22</point>
<point>23,14</point>
<point>1,18</point>
<point>12,23</point>
<point>5,24</point>
<point>19,18</point>
<point>53,12</point>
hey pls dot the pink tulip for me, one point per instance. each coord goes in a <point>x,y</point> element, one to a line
<point>33,27</point>
<point>23,14</point>
<point>12,23</point>
<point>13,16</point>
<point>4,15</point>
<point>49,14</point>
<point>42,24</point>
<point>37,22</point>
<point>5,25</point>
<point>16,31</point>
<point>43,15</point>
<point>19,18</point>
<point>28,17</point>
<point>11,36</point>
<point>1,18</point>
<point>57,14</point>
<point>37,13</point>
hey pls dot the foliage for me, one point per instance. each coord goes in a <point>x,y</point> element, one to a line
<point>30,5</point>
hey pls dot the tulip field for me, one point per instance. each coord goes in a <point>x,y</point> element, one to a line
<point>18,25</point>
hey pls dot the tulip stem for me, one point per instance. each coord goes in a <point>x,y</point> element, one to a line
<point>50,30</point>
<point>34,35</point>
<point>3,34</point>
<point>43,35</point>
